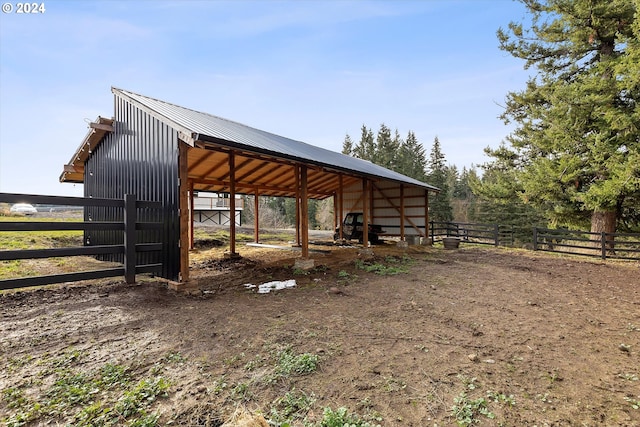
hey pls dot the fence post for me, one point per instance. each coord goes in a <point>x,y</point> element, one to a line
<point>433,236</point>
<point>603,242</point>
<point>130,238</point>
<point>535,238</point>
<point>496,234</point>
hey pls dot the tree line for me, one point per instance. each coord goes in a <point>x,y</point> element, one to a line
<point>573,159</point>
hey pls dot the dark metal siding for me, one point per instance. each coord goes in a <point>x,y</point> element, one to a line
<point>140,157</point>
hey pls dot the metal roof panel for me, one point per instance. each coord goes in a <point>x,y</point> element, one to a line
<point>207,127</point>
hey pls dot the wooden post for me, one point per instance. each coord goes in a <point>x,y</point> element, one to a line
<point>372,214</point>
<point>296,170</point>
<point>402,213</point>
<point>232,203</point>
<point>256,215</point>
<point>426,216</point>
<point>335,211</point>
<point>191,218</point>
<point>304,214</point>
<point>130,238</point>
<point>341,216</point>
<point>365,212</point>
<point>183,205</point>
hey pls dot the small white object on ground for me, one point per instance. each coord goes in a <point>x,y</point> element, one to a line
<point>276,285</point>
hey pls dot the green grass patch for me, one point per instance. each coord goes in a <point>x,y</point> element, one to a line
<point>39,239</point>
<point>105,396</point>
<point>341,418</point>
<point>389,267</point>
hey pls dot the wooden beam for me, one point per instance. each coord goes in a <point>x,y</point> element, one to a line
<point>426,214</point>
<point>298,207</point>
<point>235,168</point>
<point>73,168</point>
<point>207,155</point>
<point>372,217</point>
<point>252,171</point>
<point>213,168</point>
<point>100,126</point>
<point>341,204</point>
<point>266,174</point>
<point>247,186</point>
<point>232,203</point>
<point>305,211</point>
<point>256,215</point>
<point>191,218</point>
<point>365,212</point>
<point>402,212</point>
<point>183,200</point>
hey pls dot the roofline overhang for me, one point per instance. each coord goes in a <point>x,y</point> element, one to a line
<point>74,170</point>
<point>224,143</point>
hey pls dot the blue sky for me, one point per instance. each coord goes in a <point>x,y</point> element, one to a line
<point>309,70</point>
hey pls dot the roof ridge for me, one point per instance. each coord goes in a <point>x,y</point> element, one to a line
<point>113,88</point>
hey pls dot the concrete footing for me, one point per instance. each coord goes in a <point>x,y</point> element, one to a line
<point>365,253</point>
<point>231,255</point>
<point>304,263</point>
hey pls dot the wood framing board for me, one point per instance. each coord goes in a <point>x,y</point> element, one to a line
<point>386,206</point>
<point>183,194</point>
<point>209,171</point>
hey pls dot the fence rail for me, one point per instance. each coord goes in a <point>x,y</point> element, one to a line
<point>129,246</point>
<point>603,245</point>
<point>472,232</point>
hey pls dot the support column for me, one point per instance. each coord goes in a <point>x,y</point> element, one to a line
<point>296,170</point>
<point>183,206</point>
<point>365,252</point>
<point>304,212</point>
<point>341,204</point>
<point>191,218</point>
<point>426,218</point>
<point>402,238</point>
<point>365,212</point>
<point>256,217</point>
<point>304,262</point>
<point>232,205</point>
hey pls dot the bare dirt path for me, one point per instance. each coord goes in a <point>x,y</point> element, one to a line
<point>507,337</point>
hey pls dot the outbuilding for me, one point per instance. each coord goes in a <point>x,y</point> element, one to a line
<point>164,152</point>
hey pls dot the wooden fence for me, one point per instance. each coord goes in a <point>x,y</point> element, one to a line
<point>602,245</point>
<point>472,232</point>
<point>128,248</point>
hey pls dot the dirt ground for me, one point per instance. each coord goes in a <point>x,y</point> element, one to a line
<point>544,340</point>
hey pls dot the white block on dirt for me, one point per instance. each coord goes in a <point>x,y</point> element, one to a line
<point>276,285</point>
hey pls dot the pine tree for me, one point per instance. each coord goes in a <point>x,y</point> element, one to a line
<point>347,146</point>
<point>366,148</point>
<point>406,157</point>
<point>499,196</point>
<point>577,140</point>
<point>440,206</point>
<point>386,148</point>
<point>412,158</point>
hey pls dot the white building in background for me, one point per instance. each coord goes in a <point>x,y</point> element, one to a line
<point>213,208</point>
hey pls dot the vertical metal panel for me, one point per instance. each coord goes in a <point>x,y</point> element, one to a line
<point>140,157</point>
